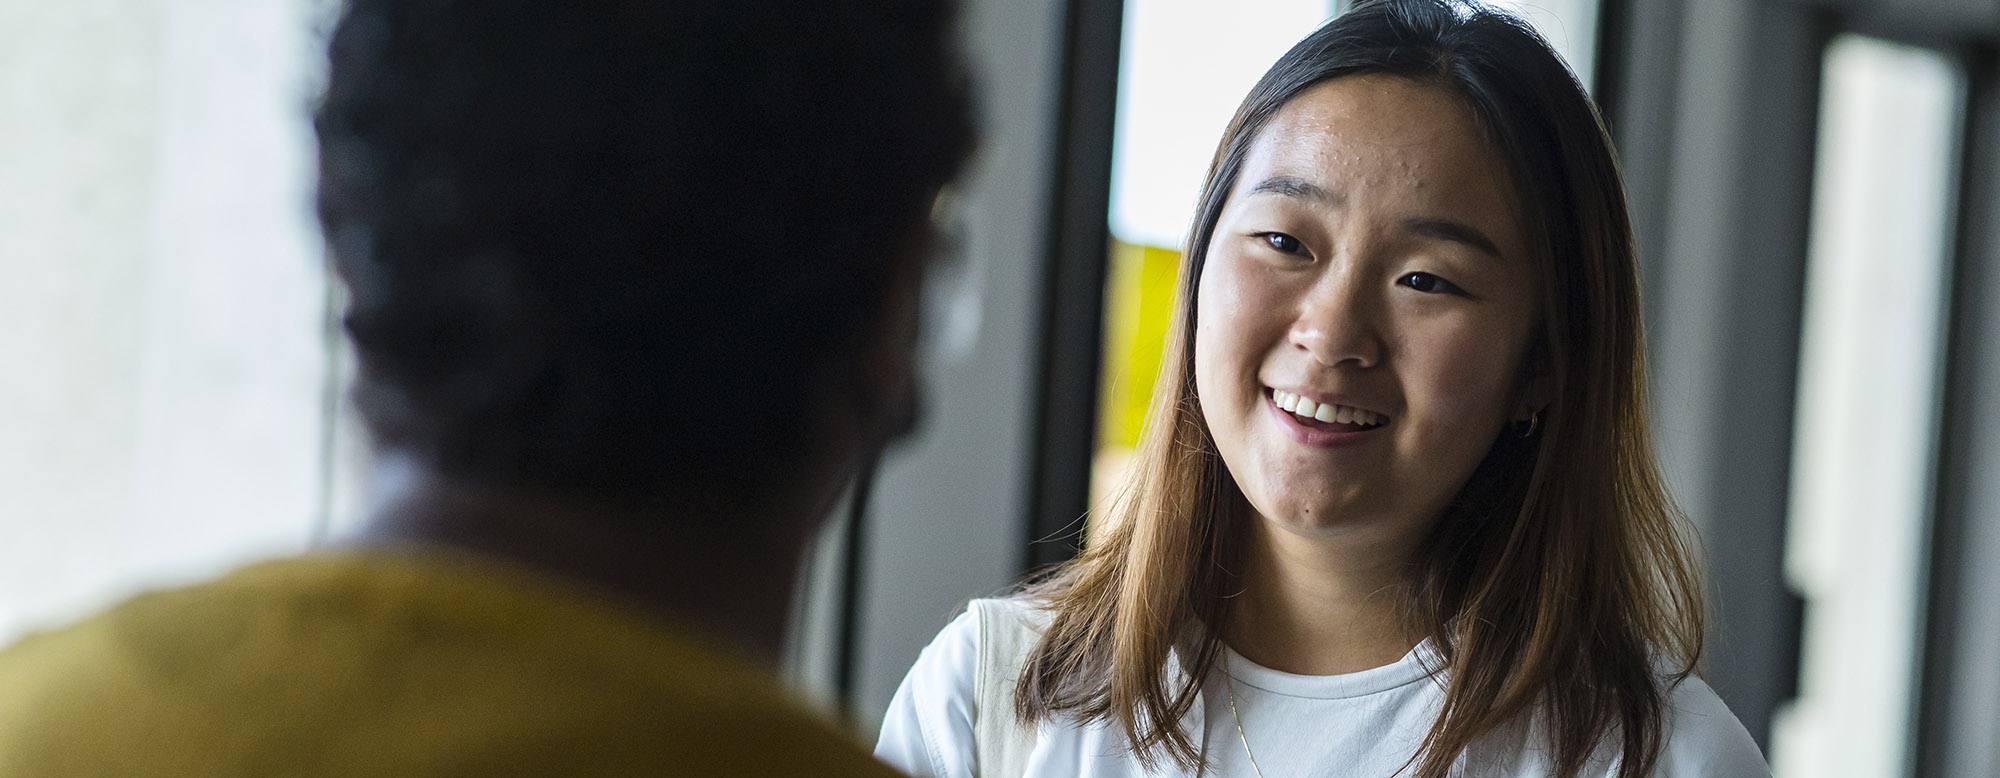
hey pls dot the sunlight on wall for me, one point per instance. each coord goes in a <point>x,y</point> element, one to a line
<point>165,409</point>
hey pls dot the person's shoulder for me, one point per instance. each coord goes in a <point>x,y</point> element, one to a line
<point>928,729</point>
<point>54,664</point>
<point>126,684</point>
<point>948,665</point>
<point>1025,615</point>
<point>1703,738</point>
<point>386,668</point>
<point>1024,605</point>
<point>956,648</point>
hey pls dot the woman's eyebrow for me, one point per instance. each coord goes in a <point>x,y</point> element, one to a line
<point>1456,232</point>
<point>1293,186</point>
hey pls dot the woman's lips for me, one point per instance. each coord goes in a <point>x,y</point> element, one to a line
<point>1320,434</point>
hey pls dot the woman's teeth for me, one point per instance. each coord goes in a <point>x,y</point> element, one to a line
<point>1340,414</point>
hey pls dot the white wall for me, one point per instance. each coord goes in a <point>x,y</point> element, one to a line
<point>162,315</point>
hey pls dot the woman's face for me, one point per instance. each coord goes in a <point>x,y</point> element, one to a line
<point>1364,310</point>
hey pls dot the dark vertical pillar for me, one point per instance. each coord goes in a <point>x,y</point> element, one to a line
<point>1079,241</point>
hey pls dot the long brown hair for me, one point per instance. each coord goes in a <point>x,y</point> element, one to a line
<point>1559,582</point>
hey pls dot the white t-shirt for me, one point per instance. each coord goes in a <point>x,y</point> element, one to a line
<point>1359,725</point>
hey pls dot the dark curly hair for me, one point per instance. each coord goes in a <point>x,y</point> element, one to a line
<point>592,246</point>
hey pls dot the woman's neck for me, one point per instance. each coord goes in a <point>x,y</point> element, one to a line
<point>1321,605</point>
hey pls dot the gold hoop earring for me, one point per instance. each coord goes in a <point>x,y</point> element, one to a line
<point>1534,424</point>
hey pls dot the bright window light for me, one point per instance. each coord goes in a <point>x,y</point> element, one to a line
<point>1866,427</point>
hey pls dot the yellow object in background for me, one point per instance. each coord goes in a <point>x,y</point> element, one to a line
<point>1139,303</point>
<point>1139,294</point>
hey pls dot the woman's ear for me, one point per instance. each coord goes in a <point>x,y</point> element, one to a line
<point>1536,389</point>
<point>1536,395</point>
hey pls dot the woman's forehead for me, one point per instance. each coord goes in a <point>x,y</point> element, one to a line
<point>1394,141</point>
<point>1391,121</point>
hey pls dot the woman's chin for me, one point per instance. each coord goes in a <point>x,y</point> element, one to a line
<point>1357,519</point>
<point>1315,521</point>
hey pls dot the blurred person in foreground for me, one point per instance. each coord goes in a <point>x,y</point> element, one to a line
<point>633,286</point>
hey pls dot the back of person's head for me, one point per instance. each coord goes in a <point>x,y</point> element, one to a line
<point>606,249</point>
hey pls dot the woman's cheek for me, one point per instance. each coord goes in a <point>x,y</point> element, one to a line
<point>1474,370</point>
<point>1220,293</point>
<point>1244,299</point>
<point>1220,307</point>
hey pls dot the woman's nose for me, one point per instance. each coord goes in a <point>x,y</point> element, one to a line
<point>1337,322</point>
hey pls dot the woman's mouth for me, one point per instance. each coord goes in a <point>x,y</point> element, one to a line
<point>1327,416</point>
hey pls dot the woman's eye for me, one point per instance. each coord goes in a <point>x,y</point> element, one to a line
<point>1283,243</point>
<point>1429,284</point>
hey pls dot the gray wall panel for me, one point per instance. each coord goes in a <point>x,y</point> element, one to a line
<point>1722,213</point>
<point>1959,717</point>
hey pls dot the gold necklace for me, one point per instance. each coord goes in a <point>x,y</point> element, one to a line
<point>1229,684</point>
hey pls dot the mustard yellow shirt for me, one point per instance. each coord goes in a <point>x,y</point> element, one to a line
<point>374,664</point>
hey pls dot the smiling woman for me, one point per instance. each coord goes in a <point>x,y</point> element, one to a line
<point>1378,291</point>
<point>1396,510</point>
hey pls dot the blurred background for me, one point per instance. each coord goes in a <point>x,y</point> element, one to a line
<point>1815,183</point>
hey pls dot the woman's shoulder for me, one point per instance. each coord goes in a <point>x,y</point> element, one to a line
<point>989,628</point>
<point>928,729</point>
<point>1702,738</point>
<point>956,649</point>
<point>1019,616</point>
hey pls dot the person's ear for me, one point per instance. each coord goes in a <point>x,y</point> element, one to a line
<point>1536,395</point>
<point>889,388</point>
<point>1536,391</point>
